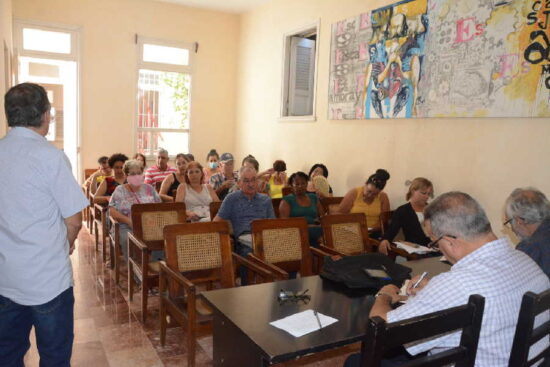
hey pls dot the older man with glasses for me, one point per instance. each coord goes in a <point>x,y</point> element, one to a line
<point>482,264</point>
<point>528,215</point>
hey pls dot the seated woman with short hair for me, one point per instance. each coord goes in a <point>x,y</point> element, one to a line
<point>409,217</point>
<point>196,195</point>
<point>171,182</point>
<point>110,183</point>
<point>124,196</point>
<point>369,199</point>
<point>302,204</point>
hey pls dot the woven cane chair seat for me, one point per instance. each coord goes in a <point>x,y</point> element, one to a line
<point>347,237</point>
<point>198,251</point>
<point>282,245</point>
<point>154,222</point>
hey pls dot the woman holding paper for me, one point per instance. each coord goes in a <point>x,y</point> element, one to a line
<point>409,217</point>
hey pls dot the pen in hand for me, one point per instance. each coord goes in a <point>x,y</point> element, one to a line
<point>318,320</point>
<point>420,279</point>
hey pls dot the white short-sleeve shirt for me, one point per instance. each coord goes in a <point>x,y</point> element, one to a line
<point>37,192</point>
<point>495,271</point>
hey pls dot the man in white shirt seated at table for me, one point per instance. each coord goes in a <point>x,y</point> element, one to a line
<point>482,264</point>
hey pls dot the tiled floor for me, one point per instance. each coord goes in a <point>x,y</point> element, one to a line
<point>108,331</point>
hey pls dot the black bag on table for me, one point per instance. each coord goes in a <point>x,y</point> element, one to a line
<point>350,270</point>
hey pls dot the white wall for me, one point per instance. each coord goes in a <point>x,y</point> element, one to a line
<point>109,71</point>
<point>484,157</point>
<point>5,36</point>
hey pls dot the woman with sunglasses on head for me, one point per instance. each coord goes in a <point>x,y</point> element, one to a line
<point>410,216</point>
<point>369,199</point>
<point>196,195</point>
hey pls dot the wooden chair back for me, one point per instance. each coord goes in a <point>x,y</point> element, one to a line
<point>330,204</point>
<point>214,208</point>
<point>382,336</point>
<point>527,334</point>
<point>276,203</point>
<point>346,233</point>
<point>287,190</point>
<point>201,251</point>
<point>283,243</point>
<point>149,220</point>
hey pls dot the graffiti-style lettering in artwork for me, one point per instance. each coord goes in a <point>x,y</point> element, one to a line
<point>443,58</point>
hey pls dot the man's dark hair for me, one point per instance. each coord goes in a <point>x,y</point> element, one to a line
<point>25,104</point>
<point>118,157</point>
<point>103,159</point>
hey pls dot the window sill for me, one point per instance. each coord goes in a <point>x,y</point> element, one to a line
<point>310,118</point>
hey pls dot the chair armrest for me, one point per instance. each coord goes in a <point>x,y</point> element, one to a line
<point>137,242</point>
<point>114,221</point>
<point>177,277</point>
<point>327,251</point>
<point>280,274</point>
<point>265,273</point>
<point>101,208</point>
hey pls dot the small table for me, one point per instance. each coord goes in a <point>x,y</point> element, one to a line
<point>242,335</point>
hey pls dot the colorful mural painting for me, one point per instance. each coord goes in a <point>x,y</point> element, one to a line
<point>443,58</point>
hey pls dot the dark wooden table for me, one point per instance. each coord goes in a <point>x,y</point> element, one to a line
<point>242,335</point>
<point>430,264</point>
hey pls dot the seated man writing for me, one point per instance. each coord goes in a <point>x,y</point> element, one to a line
<point>482,264</point>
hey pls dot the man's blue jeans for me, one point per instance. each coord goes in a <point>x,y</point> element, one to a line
<point>53,323</point>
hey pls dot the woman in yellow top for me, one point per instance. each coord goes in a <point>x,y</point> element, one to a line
<point>277,180</point>
<point>369,199</point>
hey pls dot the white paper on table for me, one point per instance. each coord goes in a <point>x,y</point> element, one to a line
<point>403,290</point>
<point>303,323</point>
<point>442,258</point>
<point>412,248</point>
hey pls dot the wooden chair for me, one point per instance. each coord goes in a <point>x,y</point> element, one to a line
<point>382,336</point>
<point>214,208</point>
<point>527,334</point>
<point>345,234</point>
<point>114,248</point>
<point>287,190</point>
<point>282,246</point>
<point>330,205</point>
<point>85,213</point>
<point>100,221</point>
<point>196,254</point>
<point>276,203</point>
<point>148,222</point>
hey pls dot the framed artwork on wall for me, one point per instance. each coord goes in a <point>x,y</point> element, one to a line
<point>442,58</point>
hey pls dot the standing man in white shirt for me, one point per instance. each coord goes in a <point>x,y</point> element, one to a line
<point>39,222</point>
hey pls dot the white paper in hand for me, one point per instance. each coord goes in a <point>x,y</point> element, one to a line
<point>303,323</point>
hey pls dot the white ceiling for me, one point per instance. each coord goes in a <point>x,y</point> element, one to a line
<point>230,6</point>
